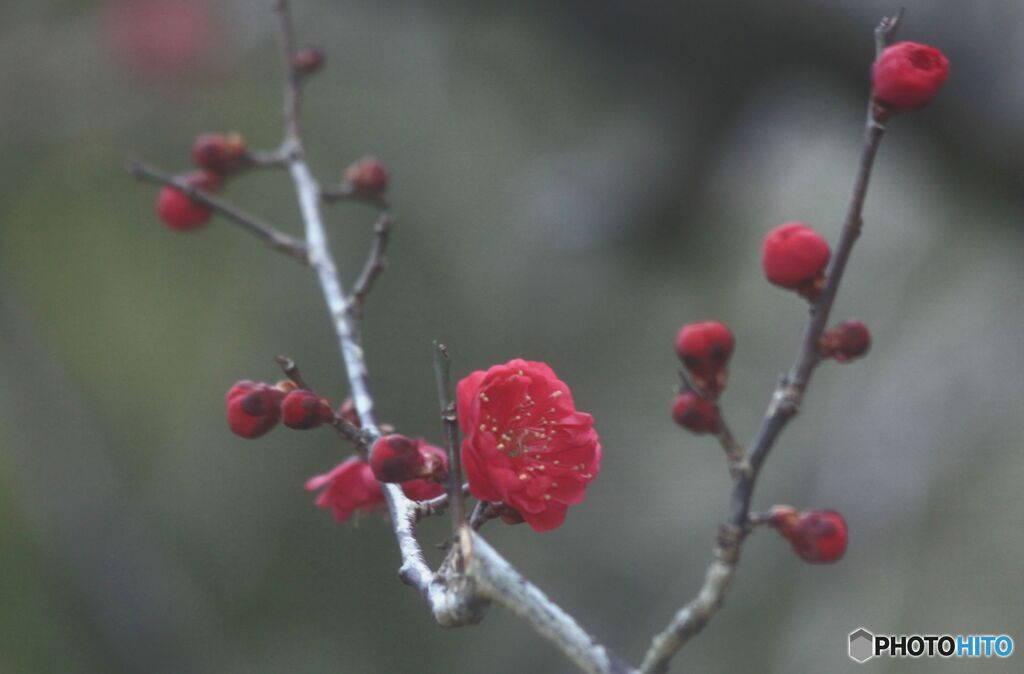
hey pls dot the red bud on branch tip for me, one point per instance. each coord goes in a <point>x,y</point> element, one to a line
<point>308,60</point>
<point>907,75</point>
<point>794,257</point>
<point>252,408</point>
<point>217,153</point>
<point>396,458</point>
<point>846,341</point>
<point>303,410</point>
<point>366,176</point>
<point>178,211</point>
<point>704,348</point>
<point>696,414</point>
<point>817,536</point>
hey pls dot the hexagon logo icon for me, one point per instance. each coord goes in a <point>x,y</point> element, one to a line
<point>861,645</point>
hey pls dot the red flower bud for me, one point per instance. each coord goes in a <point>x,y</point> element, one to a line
<point>435,472</point>
<point>795,257</point>
<point>695,414</point>
<point>366,176</point>
<point>704,348</point>
<point>846,341</point>
<point>219,153</point>
<point>302,409</point>
<point>907,75</point>
<point>178,211</point>
<point>308,60</point>
<point>817,536</point>
<point>396,458</point>
<point>252,408</point>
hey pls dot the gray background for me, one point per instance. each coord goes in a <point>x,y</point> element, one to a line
<point>573,180</point>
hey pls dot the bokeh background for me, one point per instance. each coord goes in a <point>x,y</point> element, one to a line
<point>574,180</point>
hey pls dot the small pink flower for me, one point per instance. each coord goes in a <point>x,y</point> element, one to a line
<point>350,486</point>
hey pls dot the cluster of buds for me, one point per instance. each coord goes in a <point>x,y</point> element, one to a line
<point>254,408</point>
<point>817,536</point>
<point>217,157</point>
<point>704,348</point>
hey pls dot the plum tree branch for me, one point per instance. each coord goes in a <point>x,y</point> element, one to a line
<point>456,596</point>
<point>375,264</point>
<point>473,574</point>
<point>784,405</point>
<point>274,239</point>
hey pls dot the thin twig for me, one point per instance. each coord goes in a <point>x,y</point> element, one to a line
<point>291,370</point>
<point>442,371</point>
<point>450,602</point>
<point>270,235</point>
<point>734,452</point>
<point>480,515</point>
<point>784,405</point>
<point>436,505</point>
<point>885,32</point>
<point>375,264</point>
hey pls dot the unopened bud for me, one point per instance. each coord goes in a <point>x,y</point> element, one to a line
<point>303,410</point>
<point>366,176</point>
<point>252,408</point>
<point>695,414</point>
<point>846,341</point>
<point>396,458</point>
<point>817,536</point>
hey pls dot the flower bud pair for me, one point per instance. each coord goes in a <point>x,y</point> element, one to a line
<point>253,408</point>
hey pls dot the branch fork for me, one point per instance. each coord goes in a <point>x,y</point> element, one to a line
<point>473,575</point>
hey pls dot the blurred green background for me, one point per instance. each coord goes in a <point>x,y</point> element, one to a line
<point>573,181</point>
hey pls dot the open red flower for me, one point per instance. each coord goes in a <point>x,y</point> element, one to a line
<point>525,443</point>
<point>350,486</point>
